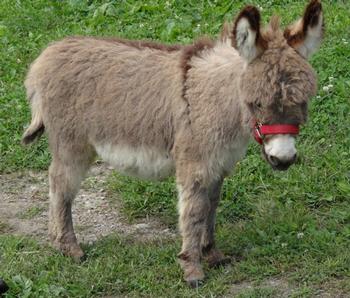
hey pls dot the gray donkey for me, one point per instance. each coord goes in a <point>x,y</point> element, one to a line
<point>153,110</point>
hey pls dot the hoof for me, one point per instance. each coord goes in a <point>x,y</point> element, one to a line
<point>193,271</point>
<point>194,277</point>
<point>72,250</point>
<point>215,258</point>
<point>196,283</point>
<point>3,287</point>
<point>77,254</point>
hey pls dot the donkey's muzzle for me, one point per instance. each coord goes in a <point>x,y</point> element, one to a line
<point>281,164</point>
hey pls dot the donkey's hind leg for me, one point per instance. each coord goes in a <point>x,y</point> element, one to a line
<point>65,178</point>
<point>211,254</point>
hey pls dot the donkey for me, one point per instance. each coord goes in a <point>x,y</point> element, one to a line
<point>153,110</point>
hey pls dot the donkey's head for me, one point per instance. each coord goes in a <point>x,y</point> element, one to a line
<point>278,81</point>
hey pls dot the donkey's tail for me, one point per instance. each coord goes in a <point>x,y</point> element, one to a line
<point>36,127</point>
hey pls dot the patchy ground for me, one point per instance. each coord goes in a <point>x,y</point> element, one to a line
<point>24,211</point>
<point>280,287</point>
<point>24,208</point>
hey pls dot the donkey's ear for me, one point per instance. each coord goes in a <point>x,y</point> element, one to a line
<point>246,36</point>
<point>306,34</point>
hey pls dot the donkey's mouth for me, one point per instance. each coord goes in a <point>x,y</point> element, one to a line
<point>281,167</point>
<point>277,164</point>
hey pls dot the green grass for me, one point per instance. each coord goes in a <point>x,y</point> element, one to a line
<point>293,225</point>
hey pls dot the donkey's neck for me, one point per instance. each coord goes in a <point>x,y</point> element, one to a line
<point>213,89</point>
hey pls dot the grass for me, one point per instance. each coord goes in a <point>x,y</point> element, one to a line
<point>293,225</point>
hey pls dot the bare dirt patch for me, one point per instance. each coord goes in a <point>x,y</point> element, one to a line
<point>279,286</point>
<point>24,208</point>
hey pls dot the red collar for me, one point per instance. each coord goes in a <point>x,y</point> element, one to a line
<point>260,130</point>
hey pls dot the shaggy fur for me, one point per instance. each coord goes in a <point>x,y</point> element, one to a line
<point>152,110</point>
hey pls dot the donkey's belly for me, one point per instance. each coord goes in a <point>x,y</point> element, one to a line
<point>142,162</point>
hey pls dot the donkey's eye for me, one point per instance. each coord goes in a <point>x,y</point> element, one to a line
<point>258,105</point>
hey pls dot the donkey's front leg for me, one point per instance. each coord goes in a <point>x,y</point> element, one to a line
<point>211,254</point>
<point>194,208</point>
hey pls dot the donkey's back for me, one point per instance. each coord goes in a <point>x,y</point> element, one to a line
<point>109,96</point>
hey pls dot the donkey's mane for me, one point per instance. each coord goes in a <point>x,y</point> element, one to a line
<point>273,30</point>
<point>188,53</point>
<point>194,49</point>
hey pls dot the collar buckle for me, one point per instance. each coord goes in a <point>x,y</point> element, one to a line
<point>259,137</point>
